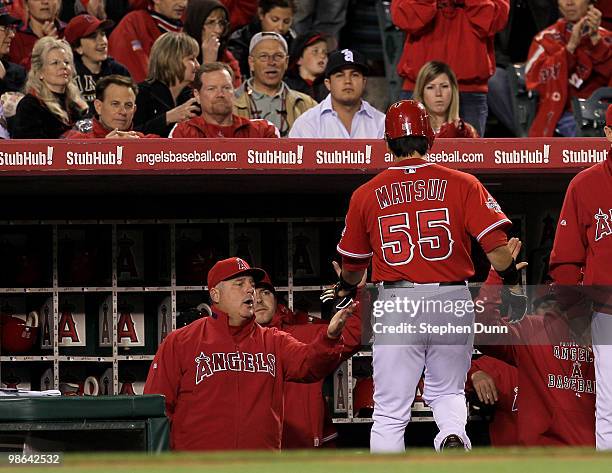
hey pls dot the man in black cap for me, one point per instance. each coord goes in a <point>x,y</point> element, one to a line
<point>343,113</point>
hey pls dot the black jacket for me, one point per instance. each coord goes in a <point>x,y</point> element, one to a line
<point>86,80</point>
<point>153,101</point>
<point>33,120</point>
<point>241,39</point>
<point>14,79</point>
<point>317,90</point>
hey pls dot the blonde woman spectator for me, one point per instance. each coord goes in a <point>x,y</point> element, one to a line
<point>436,87</point>
<point>52,103</point>
<point>166,97</point>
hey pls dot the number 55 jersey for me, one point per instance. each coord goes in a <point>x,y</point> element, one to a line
<point>415,220</point>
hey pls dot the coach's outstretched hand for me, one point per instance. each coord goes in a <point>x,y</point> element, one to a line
<point>336,324</point>
<point>514,300</point>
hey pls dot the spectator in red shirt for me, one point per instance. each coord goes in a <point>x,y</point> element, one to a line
<point>207,23</point>
<point>459,33</point>
<point>436,87</point>
<point>115,105</point>
<point>571,58</point>
<point>214,92</point>
<point>42,21</point>
<point>131,41</point>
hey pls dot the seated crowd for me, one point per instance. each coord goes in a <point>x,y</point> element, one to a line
<point>179,53</point>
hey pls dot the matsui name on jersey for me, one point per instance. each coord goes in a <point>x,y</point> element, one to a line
<point>408,191</point>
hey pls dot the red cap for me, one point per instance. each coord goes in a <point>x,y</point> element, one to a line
<point>609,116</point>
<point>408,118</point>
<point>82,26</point>
<point>266,282</point>
<point>231,268</point>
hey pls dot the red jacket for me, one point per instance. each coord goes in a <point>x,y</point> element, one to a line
<point>23,43</point>
<point>224,386</point>
<point>98,131</point>
<point>307,423</point>
<point>131,41</point>
<point>450,130</point>
<point>197,127</point>
<point>556,381</point>
<point>503,429</point>
<point>558,75</point>
<point>241,12</point>
<point>461,36</point>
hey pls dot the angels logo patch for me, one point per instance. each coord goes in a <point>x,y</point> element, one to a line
<point>492,204</point>
<point>603,224</point>
<point>208,365</point>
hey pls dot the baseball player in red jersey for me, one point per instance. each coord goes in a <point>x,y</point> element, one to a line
<point>224,376</point>
<point>307,423</point>
<point>414,221</point>
<point>582,253</point>
<point>556,372</point>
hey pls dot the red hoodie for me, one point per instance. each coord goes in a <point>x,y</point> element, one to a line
<point>241,127</point>
<point>224,386</point>
<point>457,32</point>
<point>307,423</point>
<point>98,131</point>
<point>556,382</point>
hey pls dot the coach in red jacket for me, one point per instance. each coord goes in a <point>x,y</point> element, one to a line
<point>556,371</point>
<point>214,92</point>
<point>459,33</point>
<point>224,376</point>
<point>307,422</point>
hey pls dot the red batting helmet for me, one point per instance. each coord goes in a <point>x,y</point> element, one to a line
<point>18,336</point>
<point>408,118</point>
<point>363,397</point>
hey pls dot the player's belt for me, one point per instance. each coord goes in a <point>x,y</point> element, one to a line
<point>414,284</point>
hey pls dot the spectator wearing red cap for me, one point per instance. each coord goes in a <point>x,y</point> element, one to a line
<point>224,376</point>
<point>12,76</point>
<point>307,422</point>
<point>307,62</point>
<point>42,21</point>
<point>87,36</point>
<point>207,22</point>
<point>132,39</point>
<point>214,92</point>
<point>571,58</point>
<point>115,105</point>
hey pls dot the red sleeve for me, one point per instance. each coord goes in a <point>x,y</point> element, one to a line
<point>602,53</point>
<point>123,47</point>
<point>545,54</point>
<point>231,61</point>
<point>165,374</point>
<point>413,16</point>
<point>493,239</point>
<point>487,17</point>
<point>77,135</point>
<point>265,129</point>
<point>570,243</point>
<point>483,213</point>
<point>355,242</point>
<point>180,130</point>
<point>138,4</point>
<point>241,12</point>
<point>308,362</point>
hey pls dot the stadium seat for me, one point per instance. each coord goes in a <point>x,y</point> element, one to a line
<point>524,102</point>
<point>590,114</point>
<point>393,45</point>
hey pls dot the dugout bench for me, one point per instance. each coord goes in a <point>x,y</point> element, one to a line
<point>82,423</point>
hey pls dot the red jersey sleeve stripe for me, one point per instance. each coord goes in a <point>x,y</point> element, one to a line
<point>491,227</point>
<point>353,255</point>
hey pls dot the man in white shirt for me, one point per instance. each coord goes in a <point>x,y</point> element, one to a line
<point>343,113</point>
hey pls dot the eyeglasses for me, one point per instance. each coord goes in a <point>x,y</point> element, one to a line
<point>278,57</point>
<point>58,63</point>
<point>220,23</point>
<point>8,29</point>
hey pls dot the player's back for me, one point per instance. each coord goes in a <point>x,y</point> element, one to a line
<point>418,217</point>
